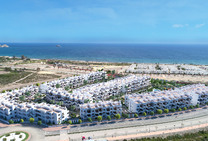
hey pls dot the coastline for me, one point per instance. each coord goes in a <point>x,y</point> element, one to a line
<point>108,62</point>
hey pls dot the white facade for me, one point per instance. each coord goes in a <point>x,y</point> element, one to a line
<point>99,91</point>
<point>77,81</point>
<point>44,112</point>
<point>178,98</point>
<point>104,109</point>
<point>168,69</point>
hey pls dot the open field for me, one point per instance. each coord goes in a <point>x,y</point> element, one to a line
<point>38,77</point>
<point>199,136</point>
<point>179,78</point>
<point>12,76</point>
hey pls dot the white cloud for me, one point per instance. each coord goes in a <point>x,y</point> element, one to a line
<point>200,25</point>
<point>180,25</point>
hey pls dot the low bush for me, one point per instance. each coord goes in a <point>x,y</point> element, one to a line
<point>159,111</point>
<point>17,133</point>
<point>152,113</point>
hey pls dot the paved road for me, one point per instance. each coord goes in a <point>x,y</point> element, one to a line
<point>142,129</point>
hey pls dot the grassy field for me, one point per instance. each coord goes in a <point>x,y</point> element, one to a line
<point>12,77</point>
<point>38,77</point>
<point>199,136</point>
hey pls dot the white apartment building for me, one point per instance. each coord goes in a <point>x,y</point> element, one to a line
<point>99,91</point>
<point>46,113</point>
<point>77,81</point>
<point>104,109</point>
<point>168,69</point>
<point>178,98</point>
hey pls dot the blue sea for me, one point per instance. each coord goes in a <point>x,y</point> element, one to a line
<point>140,53</point>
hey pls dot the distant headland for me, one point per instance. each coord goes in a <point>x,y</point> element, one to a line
<point>4,45</point>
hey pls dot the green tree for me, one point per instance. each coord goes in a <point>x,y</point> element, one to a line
<point>197,105</point>
<point>73,107</point>
<point>113,71</point>
<point>22,98</point>
<point>159,111</point>
<point>39,122</point>
<point>109,118</point>
<point>136,115</point>
<point>173,110</point>
<point>166,111</point>
<point>86,100</point>
<point>3,91</point>
<point>21,120</point>
<point>90,119</point>
<point>11,121</point>
<point>38,84</point>
<point>57,85</point>
<point>184,108</point>
<point>152,113</point>
<point>99,118</point>
<point>27,94</point>
<point>73,115</point>
<point>79,121</point>
<point>179,109</point>
<point>118,116</point>
<point>69,122</point>
<point>85,82</point>
<point>31,120</point>
<point>191,107</point>
<point>67,88</point>
<point>144,113</point>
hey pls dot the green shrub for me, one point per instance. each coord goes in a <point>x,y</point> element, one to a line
<point>135,115</point>
<point>7,135</point>
<point>173,110</point>
<point>3,91</point>
<point>144,113</point>
<point>69,122</point>
<point>31,120</point>
<point>39,122</point>
<point>109,118</point>
<point>4,139</point>
<point>38,84</point>
<point>191,107</point>
<point>117,116</point>
<point>179,109</point>
<point>90,119</point>
<point>166,111</point>
<point>152,113</point>
<point>79,121</point>
<point>57,85</point>
<point>159,111</point>
<point>17,133</point>
<point>125,115</point>
<point>11,121</point>
<point>197,105</point>
<point>184,108</point>
<point>99,118</point>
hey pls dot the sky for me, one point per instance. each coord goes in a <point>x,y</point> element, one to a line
<point>104,21</point>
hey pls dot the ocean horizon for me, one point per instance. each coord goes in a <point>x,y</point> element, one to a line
<point>127,53</point>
